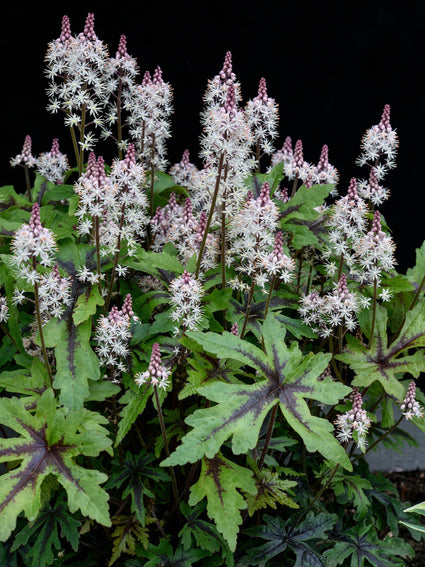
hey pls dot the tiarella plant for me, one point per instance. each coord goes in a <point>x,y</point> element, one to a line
<point>196,360</point>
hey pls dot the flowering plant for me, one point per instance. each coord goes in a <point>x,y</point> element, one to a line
<point>196,361</point>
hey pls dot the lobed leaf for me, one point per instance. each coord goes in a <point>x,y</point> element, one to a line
<point>220,481</point>
<point>47,443</point>
<point>386,361</point>
<point>290,378</point>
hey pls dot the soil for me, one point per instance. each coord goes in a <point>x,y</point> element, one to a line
<point>411,487</point>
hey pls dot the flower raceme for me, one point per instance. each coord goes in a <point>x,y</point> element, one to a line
<point>157,374</point>
<point>25,158</point>
<point>324,313</point>
<point>410,407</point>
<point>186,293</point>
<point>354,421</point>
<point>347,224</point>
<point>76,67</point>
<point>112,336</point>
<point>262,115</point>
<point>118,200</point>
<point>252,230</point>
<point>375,252</point>
<point>379,145</point>
<point>33,243</point>
<point>54,164</point>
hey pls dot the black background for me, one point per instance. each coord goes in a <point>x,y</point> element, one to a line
<point>330,65</point>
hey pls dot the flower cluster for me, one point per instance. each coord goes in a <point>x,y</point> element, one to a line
<point>55,294</point>
<point>157,374</point>
<point>251,232</point>
<point>215,95</point>
<point>117,200</point>
<point>149,106</point>
<point>54,164</point>
<point>277,263</point>
<point>324,172</point>
<point>354,424</point>
<point>122,71</point>
<point>183,171</point>
<point>94,193</point>
<point>379,145</point>
<point>225,150</point>
<point>375,252</point>
<point>76,67</point>
<point>347,223</point>
<point>186,293</point>
<point>180,225</point>
<point>371,190</point>
<point>31,244</point>
<point>410,407</point>
<point>296,167</point>
<point>262,115</point>
<point>25,158</point>
<point>112,336</point>
<point>4,310</point>
<point>338,307</point>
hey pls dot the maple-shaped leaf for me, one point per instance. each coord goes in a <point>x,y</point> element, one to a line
<point>134,402</point>
<point>204,534</point>
<point>286,376</point>
<point>363,545</point>
<point>76,361</point>
<point>271,490</point>
<point>386,361</point>
<point>44,534</point>
<point>352,489</point>
<point>128,531</point>
<point>220,482</point>
<point>132,473</point>
<point>47,443</point>
<point>164,555</point>
<point>280,534</point>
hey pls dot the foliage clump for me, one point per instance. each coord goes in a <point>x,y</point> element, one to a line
<point>196,360</point>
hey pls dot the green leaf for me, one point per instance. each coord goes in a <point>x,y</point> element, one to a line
<point>48,443</point>
<point>76,362</point>
<point>273,178</point>
<point>386,361</point>
<point>352,489</point>
<point>126,534</point>
<point>220,481</point>
<point>362,544</point>
<point>163,554</point>
<point>205,534</point>
<point>134,404</point>
<point>27,381</point>
<point>281,534</point>
<point>86,305</point>
<point>290,377</point>
<point>43,534</point>
<point>416,274</point>
<point>271,490</point>
<point>153,263</point>
<point>303,204</point>
<point>133,471</point>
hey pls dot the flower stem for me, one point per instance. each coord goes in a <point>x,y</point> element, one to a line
<point>97,241</point>
<point>152,175</point>
<point>372,327</point>
<point>210,215</point>
<point>268,437</point>
<point>269,296</point>
<point>167,449</point>
<point>115,263</point>
<point>40,328</point>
